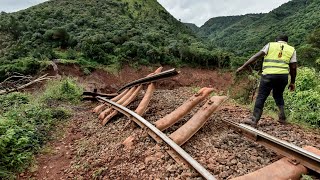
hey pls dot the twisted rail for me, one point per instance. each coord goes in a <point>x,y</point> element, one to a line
<point>144,123</point>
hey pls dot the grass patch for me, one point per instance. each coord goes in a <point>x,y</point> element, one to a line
<point>25,123</point>
<point>195,89</point>
<point>113,68</point>
<point>303,105</point>
<point>65,90</point>
<point>306,177</point>
<point>26,66</point>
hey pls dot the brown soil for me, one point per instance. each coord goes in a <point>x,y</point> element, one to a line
<point>91,151</point>
<point>107,82</point>
<point>58,156</point>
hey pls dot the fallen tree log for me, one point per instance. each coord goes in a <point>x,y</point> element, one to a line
<point>39,79</point>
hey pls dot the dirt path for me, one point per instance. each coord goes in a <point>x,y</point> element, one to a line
<point>58,153</point>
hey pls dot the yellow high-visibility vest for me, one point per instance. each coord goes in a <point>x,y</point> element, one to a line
<point>278,58</point>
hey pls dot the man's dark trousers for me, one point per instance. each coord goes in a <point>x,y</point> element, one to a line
<point>275,82</point>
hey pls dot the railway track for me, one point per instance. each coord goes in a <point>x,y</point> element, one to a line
<point>296,162</point>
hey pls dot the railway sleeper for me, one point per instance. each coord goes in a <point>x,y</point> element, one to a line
<point>176,115</point>
<point>159,137</point>
<point>125,98</point>
<point>282,169</point>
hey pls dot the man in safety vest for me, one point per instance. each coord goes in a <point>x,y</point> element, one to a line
<point>280,59</point>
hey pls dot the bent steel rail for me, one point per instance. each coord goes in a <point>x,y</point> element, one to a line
<point>294,153</point>
<point>156,77</point>
<point>144,123</point>
<point>94,94</point>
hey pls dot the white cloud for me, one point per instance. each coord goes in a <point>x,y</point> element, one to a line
<point>16,5</point>
<point>199,11</point>
<point>193,11</point>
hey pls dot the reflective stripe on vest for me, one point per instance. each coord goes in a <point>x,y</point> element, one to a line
<point>278,58</point>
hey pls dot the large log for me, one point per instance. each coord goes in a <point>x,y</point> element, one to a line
<point>39,79</point>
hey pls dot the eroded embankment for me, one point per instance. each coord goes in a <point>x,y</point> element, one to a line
<point>108,82</point>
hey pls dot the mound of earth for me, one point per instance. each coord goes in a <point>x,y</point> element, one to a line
<point>107,82</point>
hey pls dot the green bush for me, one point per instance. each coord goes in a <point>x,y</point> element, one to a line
<point>243,91</point>
<point>63,90</point>
<point>25,123</point>
<point>72,54</point>
<point>22,131</point>
<point>307,55</point>
<point>303,105</point>
<point>12,100</point>
<point>27,66</point>
<point>44,53</point>
<point>307,79</point>
<point>236,62</point>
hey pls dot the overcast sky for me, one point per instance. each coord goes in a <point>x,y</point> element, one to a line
<point>194,11</point>
<point>199,11</point>
<point>16,5</point>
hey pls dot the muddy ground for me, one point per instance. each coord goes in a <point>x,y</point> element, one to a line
<point>90,151</point>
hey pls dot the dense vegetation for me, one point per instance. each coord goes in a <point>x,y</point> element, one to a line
<point>214,27</point>
<point>303,105</point>
<point>25,122</point>
<point>107,32</point>
<point>193,27</point>
<point>246,34</point>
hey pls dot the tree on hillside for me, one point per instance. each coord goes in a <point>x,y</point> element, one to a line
<point>59,35</point>
<point>314,38</point>
<point>12,26</point>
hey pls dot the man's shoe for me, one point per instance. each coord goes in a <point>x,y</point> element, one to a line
<point>282,116</point>
<point>282,121</point>
<point>251,122</point>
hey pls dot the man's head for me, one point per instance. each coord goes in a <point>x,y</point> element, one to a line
<point>282,37</point>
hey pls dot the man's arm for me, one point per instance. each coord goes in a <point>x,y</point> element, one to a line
<point>293,74</point>
<point>253,59</point>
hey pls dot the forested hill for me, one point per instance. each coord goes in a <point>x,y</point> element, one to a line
<point>245,34</point>
<point>107,32</point>
<point>215,26</point>
<point>193,27</point>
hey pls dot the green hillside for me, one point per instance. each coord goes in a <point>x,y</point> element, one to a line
<point>107,32</point>
<point>244,35</point>
<point>215,26</point>
<point>193,27</point>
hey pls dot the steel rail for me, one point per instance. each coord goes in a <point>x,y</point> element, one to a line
<point>141,121</point>
<point>94,94</point>
<point>294,153</point>
<point>156,77</point>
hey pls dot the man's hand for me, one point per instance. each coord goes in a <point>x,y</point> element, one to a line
<point>239,69</point>
<point>253,59</point>
<point>292,87</point>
